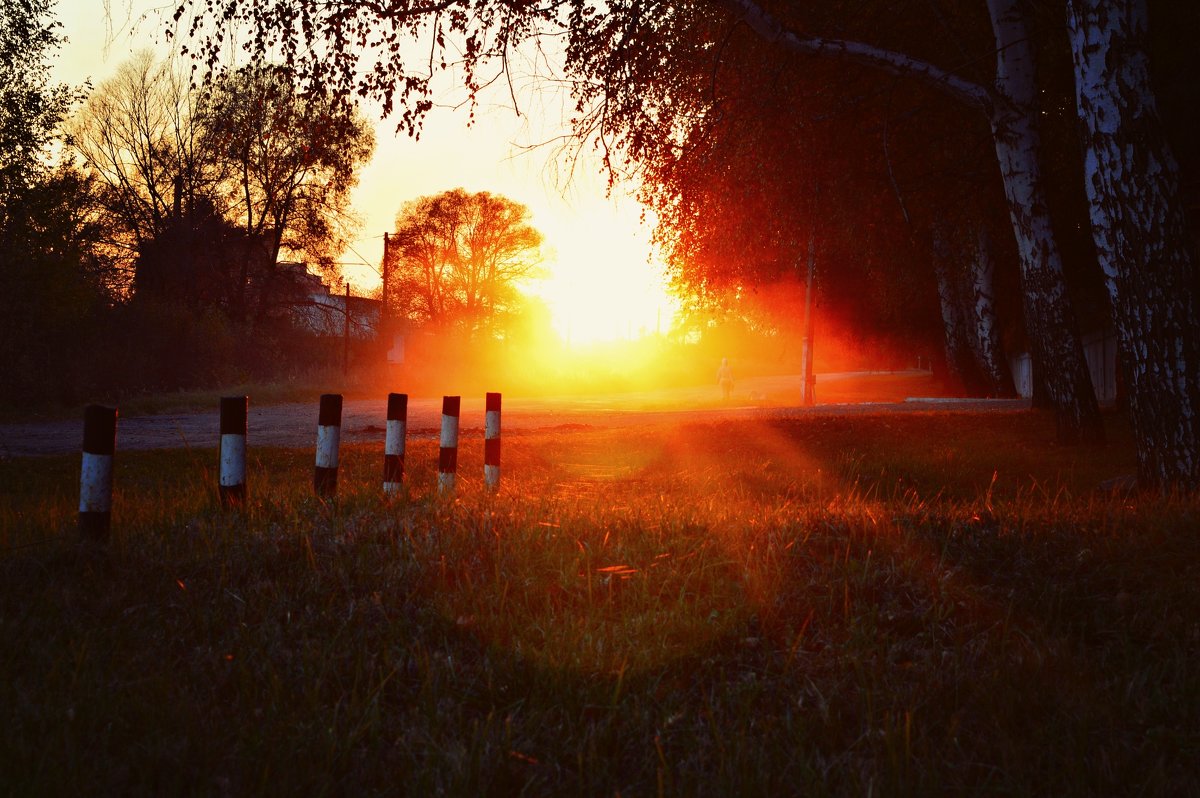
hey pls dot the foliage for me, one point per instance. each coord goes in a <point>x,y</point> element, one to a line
<point>910,605</point>
<point>246,164</point>
<point>136,135</point>
<point>53,284</point>
<point>54,288</point>
<point>31,108</point>
<point>455,260</point>
<point>291,159</point>
<point>361,49</point>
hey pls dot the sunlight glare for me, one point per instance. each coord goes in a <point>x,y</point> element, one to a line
<point>601,284</point>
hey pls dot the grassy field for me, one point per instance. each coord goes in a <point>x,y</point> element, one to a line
<point>873,605</point>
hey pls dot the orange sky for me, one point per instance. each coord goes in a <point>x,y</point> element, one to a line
<point>600,286</point>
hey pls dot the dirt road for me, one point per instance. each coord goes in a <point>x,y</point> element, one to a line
<point>363,420</point>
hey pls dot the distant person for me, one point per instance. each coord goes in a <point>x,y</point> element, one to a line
<point>725,379</point>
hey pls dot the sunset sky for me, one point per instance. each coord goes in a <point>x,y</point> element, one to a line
<point>601,285</point>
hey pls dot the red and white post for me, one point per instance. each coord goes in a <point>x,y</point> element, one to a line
<point>393,445</point>
<point>491,442</point>
<point>329,436</point>
<point>231,484</point>
<point>96,472</point>
<point>448,454</point>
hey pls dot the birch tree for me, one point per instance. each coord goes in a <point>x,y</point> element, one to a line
<point>1140,227</point>
<point>1009,106</point>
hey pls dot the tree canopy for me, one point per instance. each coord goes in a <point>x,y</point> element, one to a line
<point>455,259</point>
<point>246,164</point>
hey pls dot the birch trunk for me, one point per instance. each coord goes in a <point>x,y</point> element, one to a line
<point>1048,310</point>
<point>953,334</point>
<point>1140,228</point>
<point>985,332</point>
<point>1009,105</point>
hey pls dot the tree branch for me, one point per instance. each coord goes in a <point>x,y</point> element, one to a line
<point>771,30</point>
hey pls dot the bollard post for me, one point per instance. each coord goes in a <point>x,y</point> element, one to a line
<point>448,454</point>
<point>393,445</point>
<point>231,484</point>
<point>96,472</point>
<point>329,435</point>
<point>491,441</point>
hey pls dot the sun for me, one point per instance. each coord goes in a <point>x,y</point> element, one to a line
<point>602,284</point>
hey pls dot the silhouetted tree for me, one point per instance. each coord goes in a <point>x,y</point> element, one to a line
<point>185,170</point>
<point>456,257</point>
<point>291,159</point>
<point>137,135</point>
<point>53,284</point>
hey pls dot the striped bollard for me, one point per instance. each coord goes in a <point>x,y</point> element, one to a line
<point>448,454</point>
<point>96,472</point>
<point>231,484</point>
<point>393,445</point>
<point>329,436</point>
<point>491,442</point>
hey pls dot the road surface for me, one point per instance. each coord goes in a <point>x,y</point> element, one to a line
<point>295,424</point>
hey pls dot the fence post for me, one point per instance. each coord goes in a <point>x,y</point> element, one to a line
<point>231,485</point>
<point>329,435</point>
<point>393,445</point>
<point>448,454</point>
<point>96,472</point>
<point>491,441</point>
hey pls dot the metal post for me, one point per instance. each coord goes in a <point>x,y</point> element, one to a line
<point>808,389</point>
<point>96,472</point>
<point>491,441</point>
<point>231,485</point>
<point>329,435</point>
<point>448,454</point>
<point>393,445</point>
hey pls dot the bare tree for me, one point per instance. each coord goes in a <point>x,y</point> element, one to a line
<point>290,161</point>
<point>137,135</point>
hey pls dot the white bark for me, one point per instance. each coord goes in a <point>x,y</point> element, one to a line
<point>951,306</point>
<point>985,333</point>
<point>1140,228</point>
<point>1011,113</point>
<point>1049,312</point>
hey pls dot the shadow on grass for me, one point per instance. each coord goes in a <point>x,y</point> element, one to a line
<point>715,609</point>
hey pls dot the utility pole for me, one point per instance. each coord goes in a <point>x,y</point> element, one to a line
<point>808,389</point>
<point>346,333</point>
<point>384,332</point>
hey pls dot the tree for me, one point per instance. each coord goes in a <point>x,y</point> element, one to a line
<point>455,260</point>
<point>52,281</point>
<point>137,135</point>
<point>291,159</point>
<point>31,108</point>
<point>1009,106</point>
<point>205,188</point>
<point>1142,235</point>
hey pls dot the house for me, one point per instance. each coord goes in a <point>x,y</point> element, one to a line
<point>319,311</point>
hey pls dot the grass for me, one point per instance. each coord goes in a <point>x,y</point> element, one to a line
<point>892,605</point>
